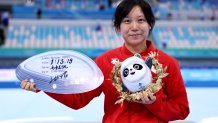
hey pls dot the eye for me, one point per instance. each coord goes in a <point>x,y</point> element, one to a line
<point>141,20</point>
<point>137,66</point>
<point>126,20</point>
<point>125,72</point>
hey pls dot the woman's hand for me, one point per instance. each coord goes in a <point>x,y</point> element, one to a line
<point>146,98</point>
<point>29,86</point>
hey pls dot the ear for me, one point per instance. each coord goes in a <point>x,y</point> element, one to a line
<point>138,55</point>
<point>148,62</point>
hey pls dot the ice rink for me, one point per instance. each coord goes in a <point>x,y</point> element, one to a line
<point>19,106</point>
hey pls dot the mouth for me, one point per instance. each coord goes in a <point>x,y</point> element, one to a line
<point>134,35</point>
<point>132,73</point>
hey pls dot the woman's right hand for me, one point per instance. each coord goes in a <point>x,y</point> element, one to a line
<point>29,86</point>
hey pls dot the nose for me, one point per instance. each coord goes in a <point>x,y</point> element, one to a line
<point>134,25</point>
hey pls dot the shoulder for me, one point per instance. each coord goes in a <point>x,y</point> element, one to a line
<point>106,56</point>
<point>104,61</point>
<point>167,59</point>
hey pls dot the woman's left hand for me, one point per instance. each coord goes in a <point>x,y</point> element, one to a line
<point>146,98</point>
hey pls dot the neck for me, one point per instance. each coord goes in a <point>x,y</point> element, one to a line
<point>136,48</point>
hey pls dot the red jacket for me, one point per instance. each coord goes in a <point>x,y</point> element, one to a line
<point>171,103</point>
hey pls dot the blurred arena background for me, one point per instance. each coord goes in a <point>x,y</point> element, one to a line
<point>185,29</point>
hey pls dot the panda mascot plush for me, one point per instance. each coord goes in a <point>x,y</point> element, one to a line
<point>135,73</point>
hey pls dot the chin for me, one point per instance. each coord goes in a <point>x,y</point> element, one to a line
<point>136,42</point>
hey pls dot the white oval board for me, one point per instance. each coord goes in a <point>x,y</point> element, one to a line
<point>61,71</point>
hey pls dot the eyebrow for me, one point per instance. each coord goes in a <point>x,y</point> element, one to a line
<point>137,16</point>
<point>140,15</point>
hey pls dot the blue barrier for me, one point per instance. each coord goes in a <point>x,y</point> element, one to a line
<point>203,77</point>
<point>22,11</point>
<point>193,77</point>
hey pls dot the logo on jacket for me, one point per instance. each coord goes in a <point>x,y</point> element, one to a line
<point>114,60</point>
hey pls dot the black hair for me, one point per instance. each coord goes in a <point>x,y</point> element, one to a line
<point>126,6</point>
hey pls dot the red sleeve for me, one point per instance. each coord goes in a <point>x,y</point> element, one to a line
<point>76,101</point>
<point>172,102</point>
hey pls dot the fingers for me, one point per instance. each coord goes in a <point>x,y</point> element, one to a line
<point>144,97</point>
<point>23,84</point>
<point>152,97</point>
<point>29,86</point>
<point>147,98</point>
<point>32,87</point>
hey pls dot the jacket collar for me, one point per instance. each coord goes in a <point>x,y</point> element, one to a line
<point>150,47</point>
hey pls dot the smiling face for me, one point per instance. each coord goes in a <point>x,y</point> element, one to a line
<point>134,28</point>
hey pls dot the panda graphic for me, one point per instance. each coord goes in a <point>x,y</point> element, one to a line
<point>135,73</point>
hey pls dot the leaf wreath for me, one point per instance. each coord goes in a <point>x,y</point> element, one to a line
<point>153,87</point>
